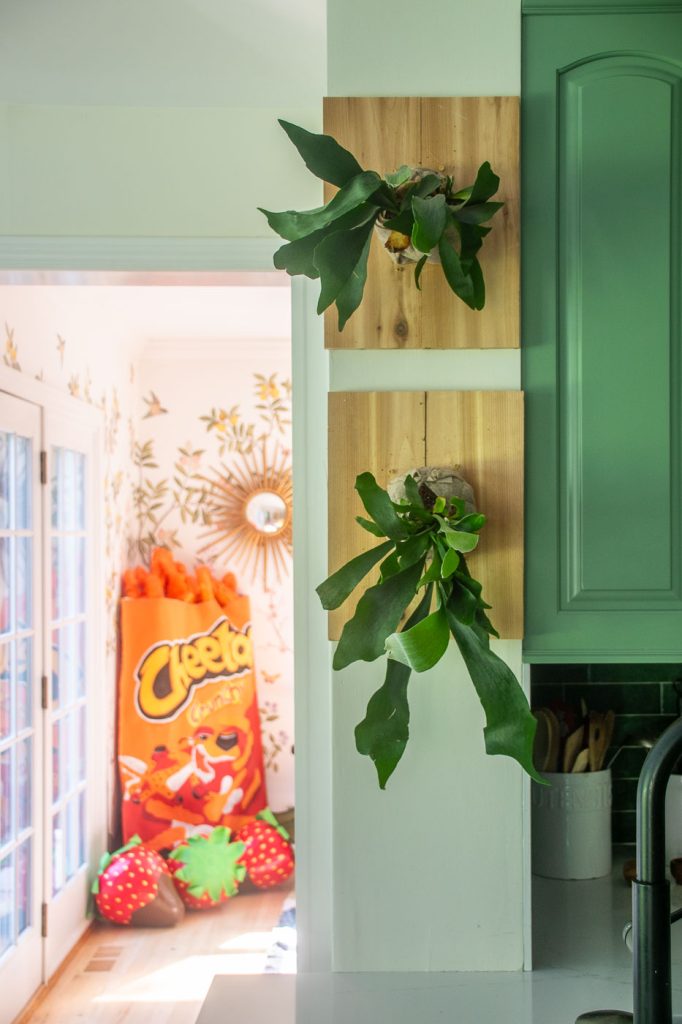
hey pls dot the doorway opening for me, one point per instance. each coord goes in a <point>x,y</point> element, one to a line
<point>162,402</point>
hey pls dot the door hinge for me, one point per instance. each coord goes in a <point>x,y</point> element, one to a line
<point>43,468</point>
<point>44,693</point>
<point>43,920</point>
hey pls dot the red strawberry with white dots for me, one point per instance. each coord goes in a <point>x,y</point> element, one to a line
<point>133,886</point>
<point>269,855</point>
<point>206,869</point>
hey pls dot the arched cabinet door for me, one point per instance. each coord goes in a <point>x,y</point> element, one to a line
<point>602,334</point>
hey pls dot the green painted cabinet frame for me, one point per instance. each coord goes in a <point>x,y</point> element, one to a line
<point>601,329</point>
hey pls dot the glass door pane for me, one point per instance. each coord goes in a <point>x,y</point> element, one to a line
<point>74,735</point>
<point>20,790</point>
<point>68,626</point>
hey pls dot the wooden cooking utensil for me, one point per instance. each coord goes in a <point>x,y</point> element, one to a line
<point>546,746</point>
<point>572,748</point>
<point>595,743</point>
<point>582,760</point>
<point>607,736</point>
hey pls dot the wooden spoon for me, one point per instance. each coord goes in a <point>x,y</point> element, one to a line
<point>572,748</point>
<point>607,736</point>
<point>582,760</point>
<point>596,740</point>
<point>546,746</point>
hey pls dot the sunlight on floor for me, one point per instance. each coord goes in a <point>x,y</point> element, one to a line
<point>139,975</point>
<point>186,980</point>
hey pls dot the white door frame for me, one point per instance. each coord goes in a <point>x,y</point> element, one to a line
<point>22,962</point>
<point>52,260</point>
<point>66,912</point>
<point>82,420</point>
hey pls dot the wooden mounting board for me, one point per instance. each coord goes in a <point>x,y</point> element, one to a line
<point>389,432</point>
<point>456,135</point>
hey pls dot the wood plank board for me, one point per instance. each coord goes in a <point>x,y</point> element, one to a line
<point>388,433</point>
<point>379,431</point>
<point>159,976</point>
<point>454,134</point>
<point>482,431</point>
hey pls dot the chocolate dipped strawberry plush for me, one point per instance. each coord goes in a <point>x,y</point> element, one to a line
<point>134,887</point>
<point>206,869</point>
<point>269,855</point>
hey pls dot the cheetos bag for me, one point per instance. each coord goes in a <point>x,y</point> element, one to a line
<point>189,741</point>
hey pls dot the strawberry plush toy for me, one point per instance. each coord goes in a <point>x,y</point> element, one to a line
<point>269,856</point>
<point>206,869</point>
<point>133,886</point>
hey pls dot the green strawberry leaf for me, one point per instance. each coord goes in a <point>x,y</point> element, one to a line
<point>210,864</point>
<point>106,859</point>
<point>267,816</point>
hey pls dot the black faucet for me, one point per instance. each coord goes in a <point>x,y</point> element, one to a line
<point>651,917</point>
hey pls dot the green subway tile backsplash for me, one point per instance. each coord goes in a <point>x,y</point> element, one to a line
<point>623,826</point>
<point>645,702</point>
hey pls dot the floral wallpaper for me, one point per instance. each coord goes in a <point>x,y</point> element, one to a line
<point>106,379</point>
<point>167,423</point>
<point>197,418</point>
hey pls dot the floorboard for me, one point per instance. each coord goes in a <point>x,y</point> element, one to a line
<point>161,976</point>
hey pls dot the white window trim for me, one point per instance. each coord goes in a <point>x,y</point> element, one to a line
<point>88,419</point>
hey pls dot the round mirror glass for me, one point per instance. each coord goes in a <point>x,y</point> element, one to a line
<point>266,512</point>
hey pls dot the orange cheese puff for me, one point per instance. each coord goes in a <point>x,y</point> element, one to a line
<point>161,562</point>
<point>176,586</point>
<point>141,577</point>
<point>180,568</point>
<point>153,586</point>
<point>229,580</point>
<point>220,592</point>
<point>130,585</point>
<point>204,584</point>
<point>192,590</point>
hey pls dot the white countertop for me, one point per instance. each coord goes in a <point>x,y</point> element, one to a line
<point>581,964</point>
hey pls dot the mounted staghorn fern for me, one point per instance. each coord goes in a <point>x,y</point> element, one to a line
<point>416,211</point>
<point>427,539</point>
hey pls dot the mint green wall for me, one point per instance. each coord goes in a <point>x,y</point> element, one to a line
<point>150,171</point>
<point>155,119</point>
<point>429,874</point>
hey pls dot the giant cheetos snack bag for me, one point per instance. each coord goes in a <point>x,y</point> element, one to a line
<point>189,742</point>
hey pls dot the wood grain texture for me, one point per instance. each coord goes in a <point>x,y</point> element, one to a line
<point>379,431</point>
<point>158,975</point>
<point>455,135</point>
<point>482,431</point>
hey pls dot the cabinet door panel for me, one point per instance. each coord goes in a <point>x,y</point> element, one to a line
<point>602,366</point>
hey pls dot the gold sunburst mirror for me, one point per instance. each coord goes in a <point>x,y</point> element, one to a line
<point>248,505</point>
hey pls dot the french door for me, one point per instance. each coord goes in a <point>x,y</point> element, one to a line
<point>48,763</point>
<point>21,733</point>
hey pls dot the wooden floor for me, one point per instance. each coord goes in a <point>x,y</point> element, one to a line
<point>160,976</point>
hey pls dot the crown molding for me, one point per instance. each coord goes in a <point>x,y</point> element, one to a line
<point>130,254</point>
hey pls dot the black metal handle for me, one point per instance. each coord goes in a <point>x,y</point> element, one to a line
<point>651,888</point>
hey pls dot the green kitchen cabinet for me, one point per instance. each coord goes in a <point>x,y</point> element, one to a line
<point>601,330</point>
